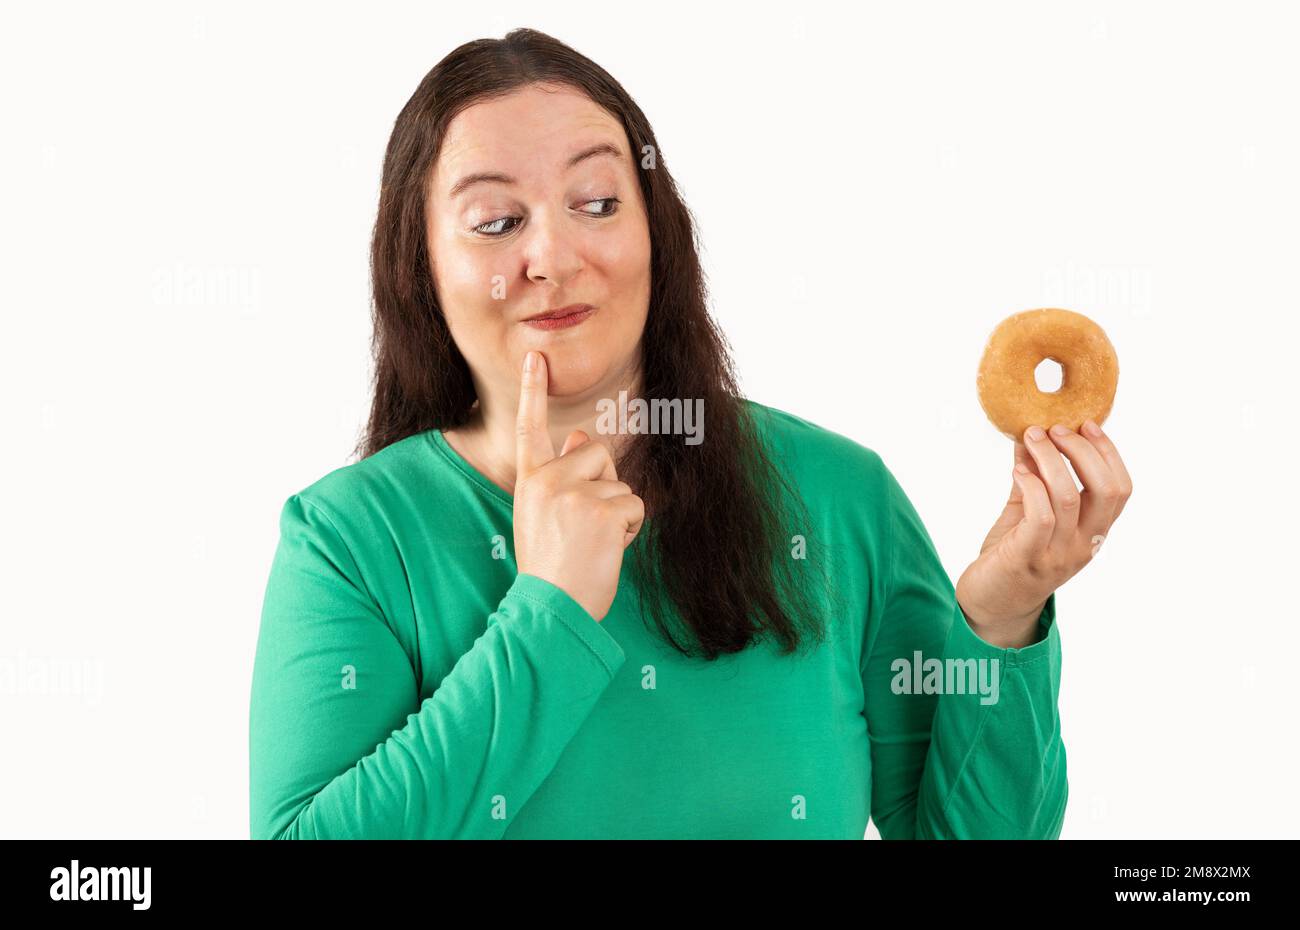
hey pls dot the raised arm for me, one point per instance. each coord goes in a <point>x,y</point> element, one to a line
<point>340,745</point>
<point>988,763</point>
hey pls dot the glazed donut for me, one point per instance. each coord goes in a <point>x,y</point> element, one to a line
<point>1089,372</point>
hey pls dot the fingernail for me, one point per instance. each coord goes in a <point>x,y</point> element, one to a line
<point>530,362</point>
<point>1059,430</point>
<point>1021,469</point>
<point>1091,428</point>
<point>1036,433</point>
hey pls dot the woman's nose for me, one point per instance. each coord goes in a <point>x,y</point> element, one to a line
<point>551,250</point>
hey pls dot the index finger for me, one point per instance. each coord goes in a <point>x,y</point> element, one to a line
<point>533,446</point>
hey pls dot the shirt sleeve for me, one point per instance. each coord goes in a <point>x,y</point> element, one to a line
<point>340,745</point>
<point>988,763</point>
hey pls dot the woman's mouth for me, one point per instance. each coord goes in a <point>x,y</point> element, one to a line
<point>562,318</point>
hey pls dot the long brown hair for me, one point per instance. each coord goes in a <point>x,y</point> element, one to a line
<point>715,542</point>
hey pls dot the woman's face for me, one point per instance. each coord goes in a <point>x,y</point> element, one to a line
<point>535,205</point>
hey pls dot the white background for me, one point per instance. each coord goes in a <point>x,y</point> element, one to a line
<point>188,192</point>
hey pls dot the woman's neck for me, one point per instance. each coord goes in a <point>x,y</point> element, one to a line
<point>487,440</point>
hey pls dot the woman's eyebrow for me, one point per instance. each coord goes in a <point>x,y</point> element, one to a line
<point>600,148</point>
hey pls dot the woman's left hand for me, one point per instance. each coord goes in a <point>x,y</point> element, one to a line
<point>1046,533</point>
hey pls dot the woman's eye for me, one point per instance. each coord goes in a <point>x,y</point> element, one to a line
<point>494,228</point>
<point>609,200</point>
<point>486,228</point>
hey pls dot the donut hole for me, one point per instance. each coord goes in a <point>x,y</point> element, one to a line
<point>1049,376</point>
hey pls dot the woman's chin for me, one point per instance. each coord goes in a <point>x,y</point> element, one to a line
<point>571,383</point>
<point>571,370</point>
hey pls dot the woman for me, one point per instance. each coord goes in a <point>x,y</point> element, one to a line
<point>456,639</point>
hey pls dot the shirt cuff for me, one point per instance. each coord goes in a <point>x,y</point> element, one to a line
<point>556,601</point>
<point>965,643</point>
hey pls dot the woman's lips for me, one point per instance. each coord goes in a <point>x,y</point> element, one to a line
<point>561,322</point>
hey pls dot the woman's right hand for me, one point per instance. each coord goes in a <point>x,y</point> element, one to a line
<point>572,516</point>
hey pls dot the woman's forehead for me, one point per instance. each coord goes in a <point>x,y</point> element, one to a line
<point>527,132</point>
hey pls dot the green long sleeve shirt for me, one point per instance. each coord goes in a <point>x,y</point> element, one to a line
<point>409,683</point>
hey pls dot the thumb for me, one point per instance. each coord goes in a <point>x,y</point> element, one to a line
<point>1031,534</point>
<point>573,440</point>
<point>1020,456</point>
